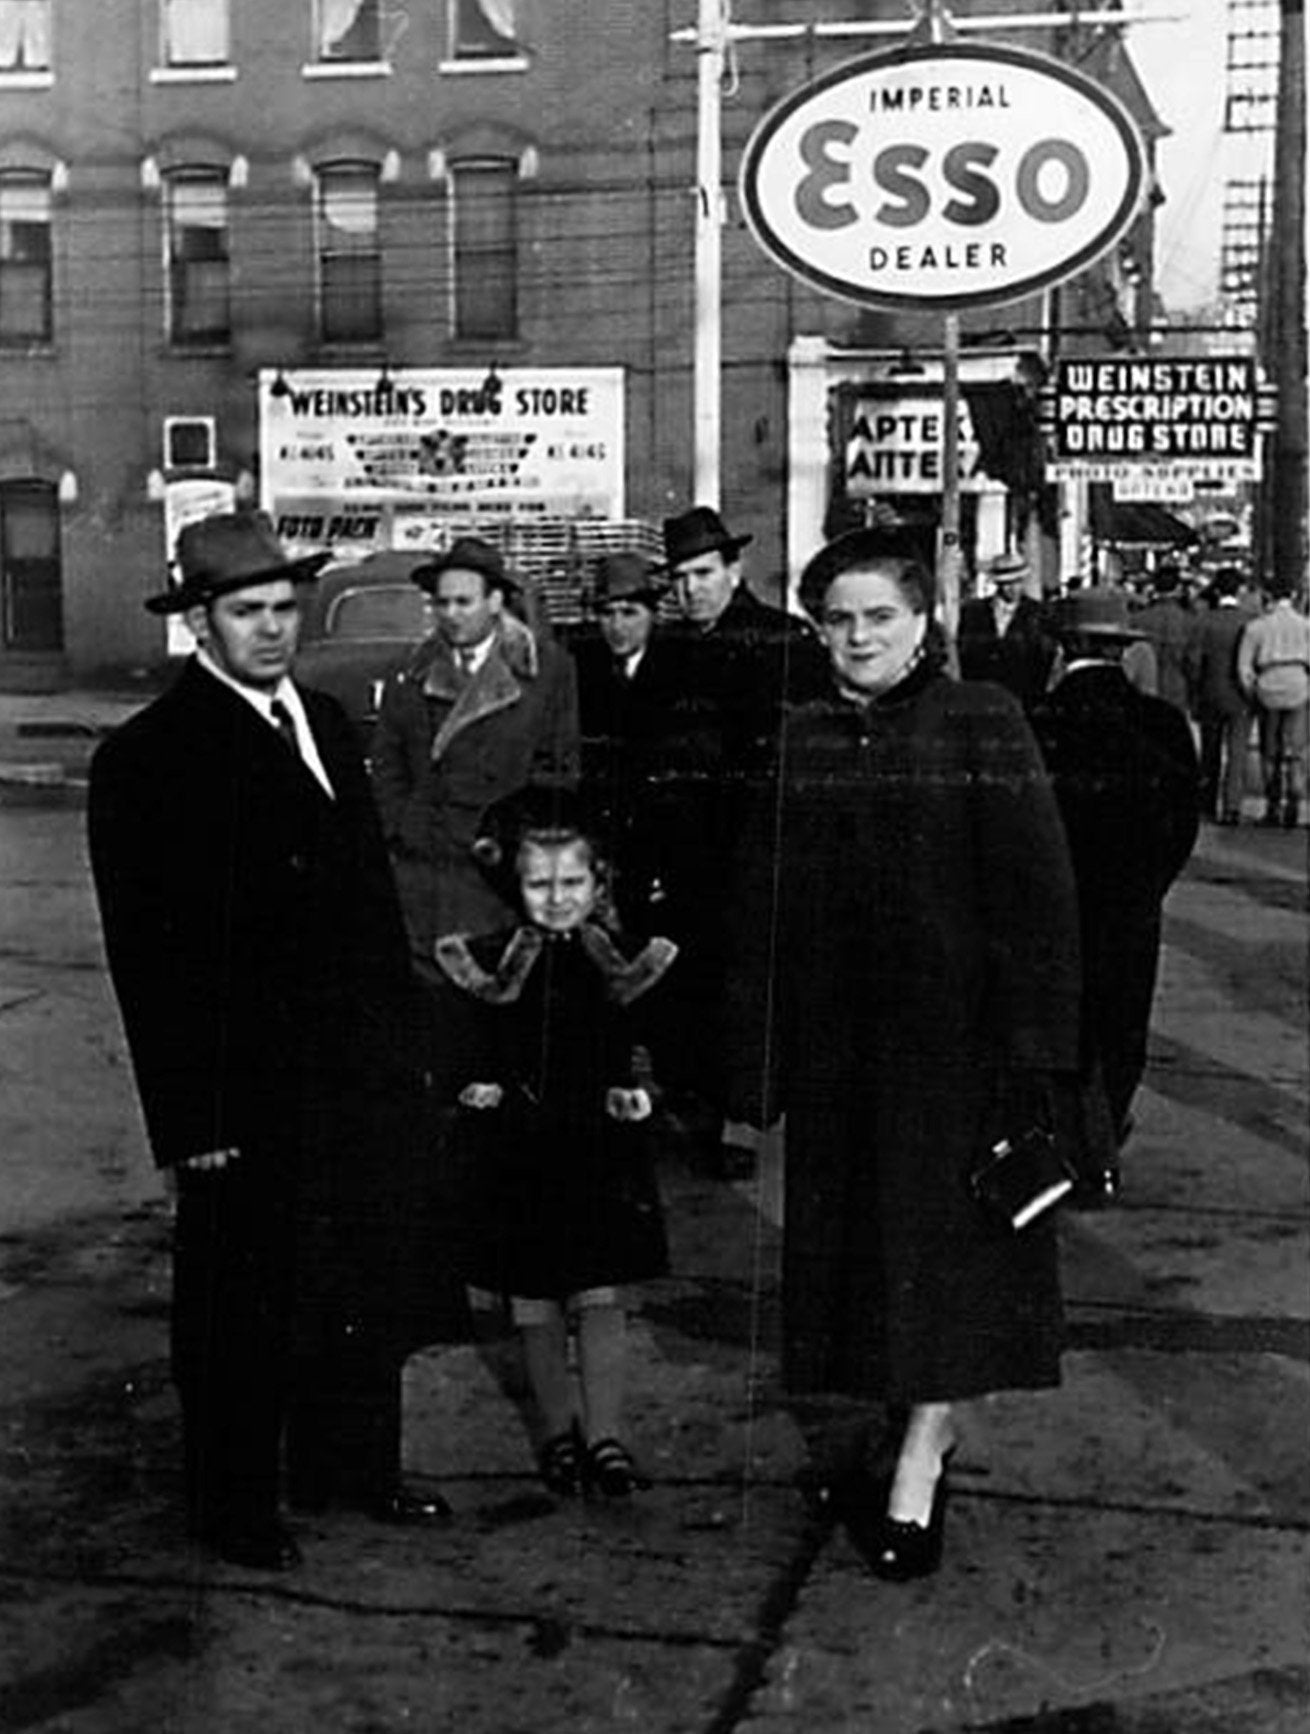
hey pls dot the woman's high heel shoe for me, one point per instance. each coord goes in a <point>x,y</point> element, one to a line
<point>902,1551</point>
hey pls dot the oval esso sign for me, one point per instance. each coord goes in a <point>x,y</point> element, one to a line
<point>943,176</point>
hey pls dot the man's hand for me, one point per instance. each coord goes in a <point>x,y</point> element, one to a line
<point>481,1096</point>
<point>627,1104</point>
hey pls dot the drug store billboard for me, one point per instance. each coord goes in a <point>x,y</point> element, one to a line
<point>352,460</point>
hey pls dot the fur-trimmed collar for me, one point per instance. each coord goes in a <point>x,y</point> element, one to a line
<point>626,979</point>
<point>513,659</point>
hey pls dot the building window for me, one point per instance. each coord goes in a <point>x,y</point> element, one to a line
<point>349,264</point>
<point>31,583</point>
<point>195,32</point>
<point>24,36</point>
<point>486,249</point>
<point>348,30</point>
<point>483,30</point>
<point>199,303</point>
<point>25,274</point>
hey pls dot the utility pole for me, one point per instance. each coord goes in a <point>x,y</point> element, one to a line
<point>711,39</point>
<point>1287,350</point>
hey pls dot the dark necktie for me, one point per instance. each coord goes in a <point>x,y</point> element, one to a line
<point>284,725</point>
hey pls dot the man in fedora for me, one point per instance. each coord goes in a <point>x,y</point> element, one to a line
<point>484,708</point>
<point>1125,774</point>
<point>745,659</point>
<point>257,953</point>
<point>1003,637</point>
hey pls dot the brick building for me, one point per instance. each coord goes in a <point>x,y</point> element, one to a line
<point>200,195</point>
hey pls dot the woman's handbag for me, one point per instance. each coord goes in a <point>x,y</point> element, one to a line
<point>1023,1174</point>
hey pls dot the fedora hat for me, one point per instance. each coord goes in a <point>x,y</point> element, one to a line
<point>626,577</point>
<point>1095,613</point>
<point>225,552</point>
<point>1007,568</point>
<point>699,531</point>
<point>469,554</point>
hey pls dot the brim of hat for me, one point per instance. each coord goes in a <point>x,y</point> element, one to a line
<point>651,593</point>
<point>426,575</point>
<point>179,597</point>
<point>1120,632</point>
<point>712,545</point>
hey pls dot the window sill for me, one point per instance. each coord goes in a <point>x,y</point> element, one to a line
<point>200,349</point>
<point>27,80</point>
<point>466,66</point>
<point>346,69</point>
<point>193,75</point>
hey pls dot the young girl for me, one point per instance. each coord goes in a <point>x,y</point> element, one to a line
<point>556,1116</point>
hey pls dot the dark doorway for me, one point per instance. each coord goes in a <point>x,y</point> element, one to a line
<point>31,583</point>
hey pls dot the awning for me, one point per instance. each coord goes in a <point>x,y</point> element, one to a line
<point>1137,523</point>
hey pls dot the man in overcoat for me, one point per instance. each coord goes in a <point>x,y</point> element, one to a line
<point>1222,710</point>
<point>637,729</point>
<point>745,661</point>
<point>485,708</point>
<point>1169,625</point>
<point>1126,778</point>
<point>1003,637</point>
<point>258,957</point>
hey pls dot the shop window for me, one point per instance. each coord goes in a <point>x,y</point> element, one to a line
<point>347,30</point>
<point>485,248</point>
<point>196,32</point>
<point>24,36</point>
<point>349,263</point>
<point>483,30</point>
<point>31,582</point>
<point>25,258</point>
<point>199,289</point>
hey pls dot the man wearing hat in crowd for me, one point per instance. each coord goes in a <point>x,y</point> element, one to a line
<point>484,708</point>
<point>258,956</point>
<point>1003,637</point>
<point>1125,773</point>
<point>745,659</point>
<point>632,704</point>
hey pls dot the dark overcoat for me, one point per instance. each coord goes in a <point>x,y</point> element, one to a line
<point>258,955</point>
<point>651,761</point>
<point>905,911</point>
<point>444,751</point>
<point>559,1196</point>
<point>1019,659</point>
<point>1126,778</point>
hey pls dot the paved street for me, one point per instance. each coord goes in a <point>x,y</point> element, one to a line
<point>1127,1554</point>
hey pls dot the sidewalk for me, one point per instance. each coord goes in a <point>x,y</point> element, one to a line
<point>1125,1555</point>
<point>47,738</point>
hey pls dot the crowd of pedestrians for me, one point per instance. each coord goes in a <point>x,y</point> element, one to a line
<point>409,1054</point>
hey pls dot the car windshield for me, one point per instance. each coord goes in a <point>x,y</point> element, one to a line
<point>378,611</point>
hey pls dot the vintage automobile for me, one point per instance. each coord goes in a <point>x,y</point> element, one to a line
<point>360,621</point>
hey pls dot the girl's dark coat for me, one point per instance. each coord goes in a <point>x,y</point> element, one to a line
<point>906,915</point>
<point>559,1197</point>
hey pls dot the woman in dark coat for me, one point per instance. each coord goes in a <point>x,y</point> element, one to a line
<point>906,911</point>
